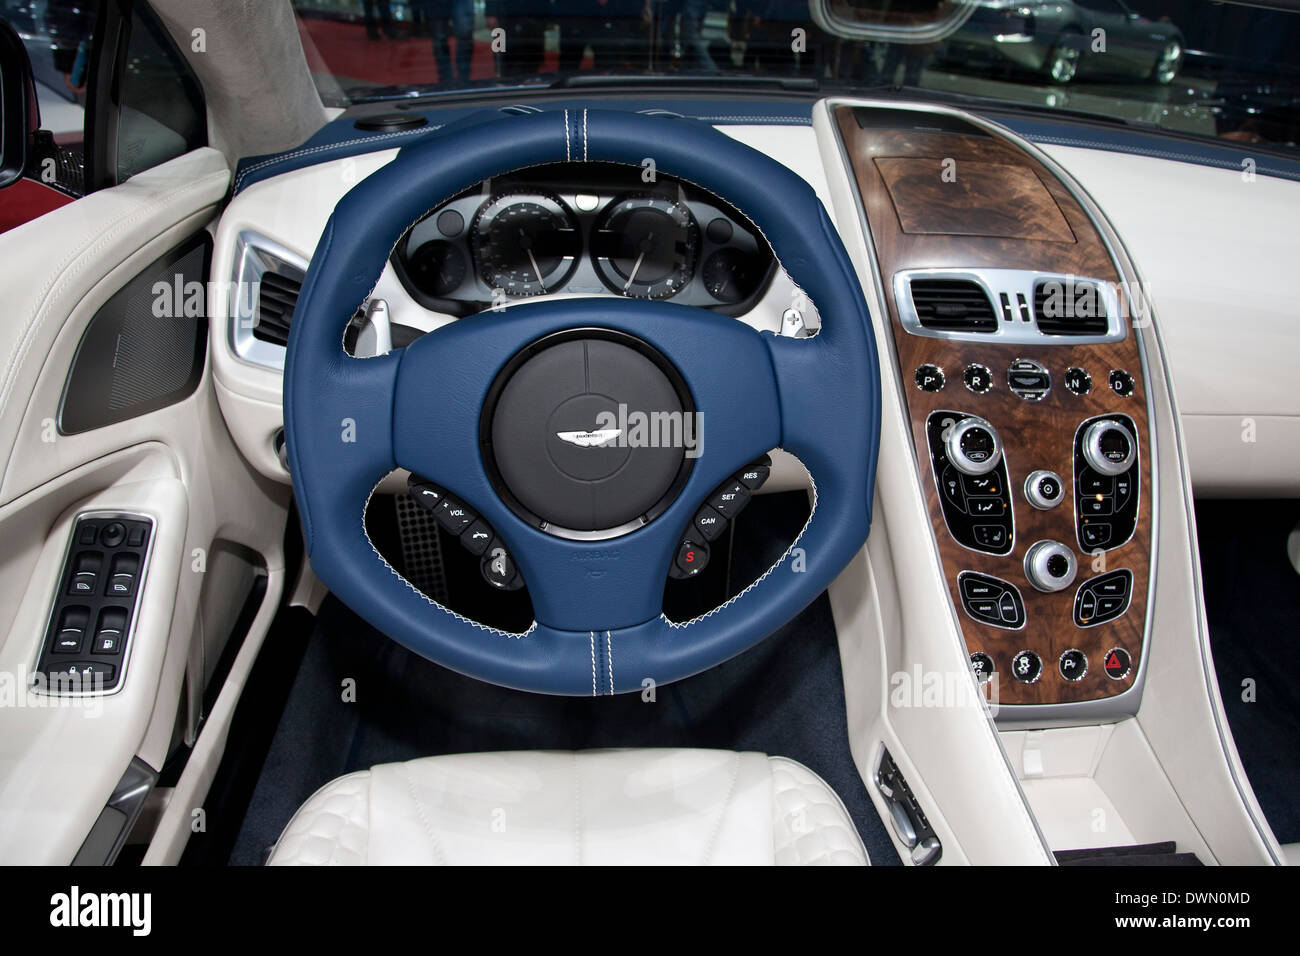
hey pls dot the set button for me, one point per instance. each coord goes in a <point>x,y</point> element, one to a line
<point>709,523</point>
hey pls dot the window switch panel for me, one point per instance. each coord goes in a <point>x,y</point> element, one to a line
<point>88,636</point>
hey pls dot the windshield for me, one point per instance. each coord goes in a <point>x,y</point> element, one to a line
<point>1210,69</point>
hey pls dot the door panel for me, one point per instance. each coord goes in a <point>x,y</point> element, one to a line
<point>176,464</point>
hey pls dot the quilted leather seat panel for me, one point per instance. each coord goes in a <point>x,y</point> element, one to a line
<point>650,807</point>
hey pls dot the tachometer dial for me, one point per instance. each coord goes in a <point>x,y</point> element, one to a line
<point>731,275</point>
<point>525,243</point>
<point>437,268</point>
<point>645,246</point>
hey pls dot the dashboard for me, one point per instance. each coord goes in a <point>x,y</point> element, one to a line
<point>596,229</point>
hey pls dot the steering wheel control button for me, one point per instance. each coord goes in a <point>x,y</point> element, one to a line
<point>1043,489</point>
<point>1029,379</point>
<point>1108,447</point>
<point>709,523</point>
<point>981,666</point>
<point>1102,599</point>
<point>1078,381</point>
<point>1027,667</point>
<point>1121,383</point>
<point>588,431</point>
<point>973,446</point>
<point>1073,665</point>
<point>477,537</point>
<point>692,558</point>
<point>499,568</point>
<point>453,516</point>
<point>424,493</point>
<point>1050,566</point>
<point>977,378</point>
<point>730,499</point>
<point>991,600</point>
<point>973,486</point>
<point>1117,663</point>
<point>753,476</point>
<point>930,378</point>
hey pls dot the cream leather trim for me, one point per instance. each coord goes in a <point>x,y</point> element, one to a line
<point>102,230</point>
<point>595,807</point>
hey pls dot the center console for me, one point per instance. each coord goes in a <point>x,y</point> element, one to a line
<point>1025,390</point>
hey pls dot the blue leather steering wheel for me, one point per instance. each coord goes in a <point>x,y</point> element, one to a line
<point>599,625</point>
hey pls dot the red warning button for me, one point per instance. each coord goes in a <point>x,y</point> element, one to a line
<point>1117,663</point>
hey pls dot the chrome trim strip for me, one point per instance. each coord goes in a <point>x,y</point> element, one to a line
<point>255,256</point>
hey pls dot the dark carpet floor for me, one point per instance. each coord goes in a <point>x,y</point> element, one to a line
<point>1252,598</point>
<point>783,697</point>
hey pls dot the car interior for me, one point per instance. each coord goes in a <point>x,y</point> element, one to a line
<point>541,432</point>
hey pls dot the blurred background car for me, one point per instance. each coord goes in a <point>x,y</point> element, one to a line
<point>1067,39</point>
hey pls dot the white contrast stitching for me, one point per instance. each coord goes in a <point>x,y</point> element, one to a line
<point>722,813</point>
<point>584,134</point>
<point>568,151</point>
<point>609,651</point>
<point>424,818</point>
<point>460,617</point>
<point>593,662</point>
<point>788,551</point>
<point>285,157</point>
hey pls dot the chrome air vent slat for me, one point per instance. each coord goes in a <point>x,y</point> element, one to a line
<point>276,299</point>
<point>1069,308</point>
<point>953,305</point>
<point>1007,306</point>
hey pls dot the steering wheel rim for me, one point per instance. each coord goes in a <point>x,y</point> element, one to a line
<point>349,422</point>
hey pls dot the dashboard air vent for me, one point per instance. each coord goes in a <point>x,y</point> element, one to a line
<point>953,305</point>
<point>1066,307</point>
<point>277,296</point>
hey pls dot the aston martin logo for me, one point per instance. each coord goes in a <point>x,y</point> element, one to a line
<point>593,439</point>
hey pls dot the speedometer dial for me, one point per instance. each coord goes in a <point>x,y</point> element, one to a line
<point>645,246</point>
<point>525,243</point>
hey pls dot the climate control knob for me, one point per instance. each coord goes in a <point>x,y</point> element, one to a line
<point>1109,447</point>
<point>973,446</point>
<point>1050,566</point>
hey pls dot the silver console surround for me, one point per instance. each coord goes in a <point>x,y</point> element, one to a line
<point>255,256</point>
<point>1016,286</point>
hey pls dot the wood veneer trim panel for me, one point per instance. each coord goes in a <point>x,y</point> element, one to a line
<point>995,200</point>
<point>1035,435</point>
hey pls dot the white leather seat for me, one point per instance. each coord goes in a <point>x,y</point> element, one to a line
<point>586,807</point>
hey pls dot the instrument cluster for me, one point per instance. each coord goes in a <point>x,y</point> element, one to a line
<point>596,229</point>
